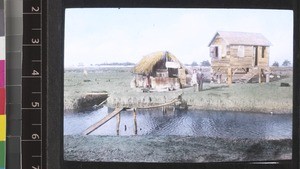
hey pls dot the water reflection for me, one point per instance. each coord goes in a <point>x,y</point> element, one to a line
<point>187,123</point>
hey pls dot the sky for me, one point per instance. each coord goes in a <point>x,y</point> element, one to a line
<point>106,35</point>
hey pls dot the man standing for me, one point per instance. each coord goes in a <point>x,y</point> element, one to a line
<point>200,78</point>
<point>194,79</point>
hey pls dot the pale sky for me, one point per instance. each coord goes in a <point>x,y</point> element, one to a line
<point>99,35</point>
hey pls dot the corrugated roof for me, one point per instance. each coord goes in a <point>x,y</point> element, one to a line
<point>242,38</point>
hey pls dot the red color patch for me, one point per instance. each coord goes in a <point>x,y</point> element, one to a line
<point>2,101</point>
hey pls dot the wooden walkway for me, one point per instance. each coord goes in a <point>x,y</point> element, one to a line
<point>160,105</point>
<point>102,121</point>
<point>119,110</point>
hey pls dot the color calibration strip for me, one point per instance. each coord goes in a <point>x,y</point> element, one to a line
<point>2,89</point>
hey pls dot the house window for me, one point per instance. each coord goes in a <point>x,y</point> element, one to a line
<point>215,52</point>
<point>241,51</point>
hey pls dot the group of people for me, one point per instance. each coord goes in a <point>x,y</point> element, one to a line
<point>197,79</point>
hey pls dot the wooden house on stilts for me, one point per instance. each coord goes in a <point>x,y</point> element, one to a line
<point>160,71</point>
<point>239,57</point>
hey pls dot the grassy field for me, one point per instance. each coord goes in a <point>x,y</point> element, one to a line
<point>173,149</point>
<point>265,97</point>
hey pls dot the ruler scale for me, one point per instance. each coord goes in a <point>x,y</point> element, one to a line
<point>32,107</point>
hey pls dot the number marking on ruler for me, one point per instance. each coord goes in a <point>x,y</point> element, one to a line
<point>32,127</point>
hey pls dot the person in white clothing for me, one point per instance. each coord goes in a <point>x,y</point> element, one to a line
<point>194,79</point>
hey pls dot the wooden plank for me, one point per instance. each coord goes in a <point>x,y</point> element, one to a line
<point>99,105</point>
<point>102,121</point>
<point>161,105</point>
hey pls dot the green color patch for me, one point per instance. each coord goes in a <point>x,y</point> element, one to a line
<point>2,154</point>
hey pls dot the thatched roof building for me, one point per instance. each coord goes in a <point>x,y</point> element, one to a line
<point>159,71</point>
<point>157,60</point>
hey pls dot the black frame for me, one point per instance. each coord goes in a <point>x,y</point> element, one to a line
<point>55,67</point>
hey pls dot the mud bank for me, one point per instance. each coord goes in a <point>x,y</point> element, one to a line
<point>173,149</point>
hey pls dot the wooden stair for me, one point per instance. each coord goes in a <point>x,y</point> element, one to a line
<point>248,76</point>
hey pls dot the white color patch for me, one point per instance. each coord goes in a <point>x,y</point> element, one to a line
<point>2,48</point>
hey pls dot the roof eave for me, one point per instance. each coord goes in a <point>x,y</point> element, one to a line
<point>213,39</point>
<point>251,44</point>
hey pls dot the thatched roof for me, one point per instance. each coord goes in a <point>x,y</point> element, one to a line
<point>242,38</point>
<point>146,65</point>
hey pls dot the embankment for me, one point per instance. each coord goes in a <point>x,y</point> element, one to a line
<point>262,98</point>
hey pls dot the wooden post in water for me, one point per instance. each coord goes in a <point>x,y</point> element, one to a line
<point>118,123</point>
<point>134,120</point>
<point>164,109</point>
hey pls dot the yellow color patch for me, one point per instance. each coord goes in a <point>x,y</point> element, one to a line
<point>2,127</point>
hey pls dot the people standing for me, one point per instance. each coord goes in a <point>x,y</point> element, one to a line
<point>194,79</point>
<point>200,78</point>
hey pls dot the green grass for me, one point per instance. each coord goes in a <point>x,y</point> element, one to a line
<point>265,97</point>
<point>2,154</point>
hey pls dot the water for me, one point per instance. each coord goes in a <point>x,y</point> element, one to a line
<point>186,123</point>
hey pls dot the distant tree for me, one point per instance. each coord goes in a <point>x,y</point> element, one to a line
<point>205,63</point>
<point>194,64</point>
<point>275,64</point>
<point>286,63</point>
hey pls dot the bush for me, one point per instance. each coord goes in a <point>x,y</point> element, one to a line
<point>194,64</point>
<point>205,63</point>
<point>286,63</point>
<point>275,64</point>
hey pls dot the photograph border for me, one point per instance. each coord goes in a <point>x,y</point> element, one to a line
<point>55,78</point>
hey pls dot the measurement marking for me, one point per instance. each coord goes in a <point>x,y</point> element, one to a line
<point>31,140</point>
<point>36,124</point>
<point>13,85</point>
<point>31,76</point>
<point>32,108</point>
<point>29,13</point>
<point>32,44</point>
<point>13,136</point>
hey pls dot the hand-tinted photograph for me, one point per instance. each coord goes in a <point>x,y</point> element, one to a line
<point>178,85</point>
